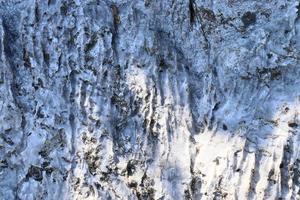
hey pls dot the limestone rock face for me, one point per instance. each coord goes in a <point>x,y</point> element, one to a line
<point>149,99</point>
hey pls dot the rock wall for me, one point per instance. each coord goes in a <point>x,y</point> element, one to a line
<point>153,99</point>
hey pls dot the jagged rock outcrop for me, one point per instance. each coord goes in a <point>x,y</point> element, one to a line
<point>153,99</point>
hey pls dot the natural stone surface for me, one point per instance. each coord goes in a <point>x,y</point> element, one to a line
<point>153,99</point>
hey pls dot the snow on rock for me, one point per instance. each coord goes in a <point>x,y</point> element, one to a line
<point>149,99</point>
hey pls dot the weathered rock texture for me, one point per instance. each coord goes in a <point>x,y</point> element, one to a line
<point>154,99</point>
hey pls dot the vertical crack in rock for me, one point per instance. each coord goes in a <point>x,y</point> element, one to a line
<point>192,11</point>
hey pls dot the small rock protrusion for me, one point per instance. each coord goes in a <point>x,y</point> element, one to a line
<point>130,168</point>
<point>248,18</point>
<point>35,173</point>
<point>292,124</point>
<point>286,109</point>
<point>133,184</point>
<point>281,165</point>
<point>225,127</point>
<point>1,78</point>
<point>3,164</point>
